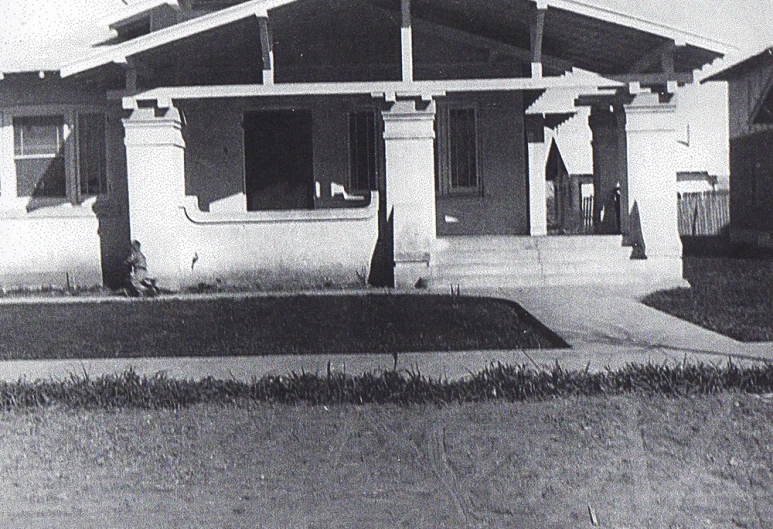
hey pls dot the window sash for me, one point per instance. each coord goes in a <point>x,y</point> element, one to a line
<point>363,151</point>
<point>47,168</point>
<point>457,152</point>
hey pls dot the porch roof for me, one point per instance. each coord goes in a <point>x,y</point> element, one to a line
<point>615,45</point>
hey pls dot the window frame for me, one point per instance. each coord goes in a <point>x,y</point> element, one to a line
<point>443,151</point>
<point>378,150</point>
<point>70,115</point>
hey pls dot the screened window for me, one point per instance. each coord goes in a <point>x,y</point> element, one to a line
<point>39,155</point>
<point>362,151</point>
<point>457,152</point>
<point>46,168</point>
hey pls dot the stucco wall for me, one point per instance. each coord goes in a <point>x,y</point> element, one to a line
<point>48,242</point>
<point>278,248</point>
<point>503,207</point>
<point>40,249</point>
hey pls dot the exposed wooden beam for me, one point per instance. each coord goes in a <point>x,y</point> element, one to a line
<point>267,51</point>
<point>406,38</point>
<point>423,89</point>
<point>131,78</point>
<point>655,56</point>
<point>537,32</point>
<point>649,79</point>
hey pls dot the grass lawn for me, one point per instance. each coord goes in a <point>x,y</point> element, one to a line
<point>347,324</point>
<point>633,461</point>
<point>732,296</point>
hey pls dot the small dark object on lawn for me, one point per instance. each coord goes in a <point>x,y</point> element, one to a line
<point>421,283</point>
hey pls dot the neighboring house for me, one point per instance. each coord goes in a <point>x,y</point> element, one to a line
<point>750,107</point>
<point>240,141</point>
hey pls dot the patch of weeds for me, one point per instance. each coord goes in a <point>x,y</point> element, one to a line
<point>401,387</point>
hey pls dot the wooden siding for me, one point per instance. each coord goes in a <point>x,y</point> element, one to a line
<point>745,93</point>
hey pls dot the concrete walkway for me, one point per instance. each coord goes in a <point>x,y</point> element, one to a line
<point>605,328</point>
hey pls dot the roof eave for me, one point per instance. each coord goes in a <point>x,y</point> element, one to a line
<point>120,52</point>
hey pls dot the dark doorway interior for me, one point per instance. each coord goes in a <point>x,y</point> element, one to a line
<point>278,160</point>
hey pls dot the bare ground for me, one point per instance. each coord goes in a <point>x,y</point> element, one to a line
<point>624,462</point>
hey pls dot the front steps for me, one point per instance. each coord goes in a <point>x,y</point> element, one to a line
<point>503,261</point>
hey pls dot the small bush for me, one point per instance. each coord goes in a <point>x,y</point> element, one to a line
<point>402,387</point>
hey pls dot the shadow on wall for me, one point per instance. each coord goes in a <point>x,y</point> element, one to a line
<point>635,235</point>
<point>382,264</point>
<point>114,243</point>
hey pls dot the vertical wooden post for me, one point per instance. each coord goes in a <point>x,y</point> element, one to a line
<point>406,36</point>
<point>537,31</point>
<point>267,51</point>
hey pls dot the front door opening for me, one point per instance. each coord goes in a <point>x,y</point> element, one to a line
<point>278,160</point>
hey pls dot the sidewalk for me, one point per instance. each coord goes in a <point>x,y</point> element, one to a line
<point>605,328</point>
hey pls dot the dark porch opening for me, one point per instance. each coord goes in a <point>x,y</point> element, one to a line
<point>278,160</point>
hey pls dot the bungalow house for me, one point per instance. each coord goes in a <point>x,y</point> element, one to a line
<point>245,140</point>
<point>750,108</point>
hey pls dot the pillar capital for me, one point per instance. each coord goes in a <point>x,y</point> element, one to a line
<point>152,127</point>
<point>409,119</point>
<point>646,113</point>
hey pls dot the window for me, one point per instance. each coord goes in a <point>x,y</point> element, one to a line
<point>39,154</point>
<point>47,168</point>
<point>91,154</point>
<point>457,152</point>
<point>362,151</point>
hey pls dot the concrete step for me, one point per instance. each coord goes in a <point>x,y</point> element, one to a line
<point>462,244</point>
<point>523,261</point>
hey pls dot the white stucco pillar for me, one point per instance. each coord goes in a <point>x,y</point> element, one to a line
<point>537,152</point>
<point>409,135</point>
<point>651,149</point>
<point>155,163</point>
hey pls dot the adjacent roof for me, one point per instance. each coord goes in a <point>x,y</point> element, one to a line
<point>765,57</point>
<point>133,12</point>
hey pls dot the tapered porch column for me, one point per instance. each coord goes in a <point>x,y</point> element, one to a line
<point>609,165</point>
<point>652,181</point>
<point>409,135</point>
<point>155,163</point>
<point>535,135</point>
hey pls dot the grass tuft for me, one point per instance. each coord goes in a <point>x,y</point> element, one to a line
<point>402,387</point>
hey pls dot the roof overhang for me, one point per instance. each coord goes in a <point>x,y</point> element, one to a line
<point>697,50</point>
<point>119,53</point>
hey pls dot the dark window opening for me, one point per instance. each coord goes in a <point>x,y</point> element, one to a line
<point>278,159</point>
<point>362,151</point>
<point>91,154</point>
